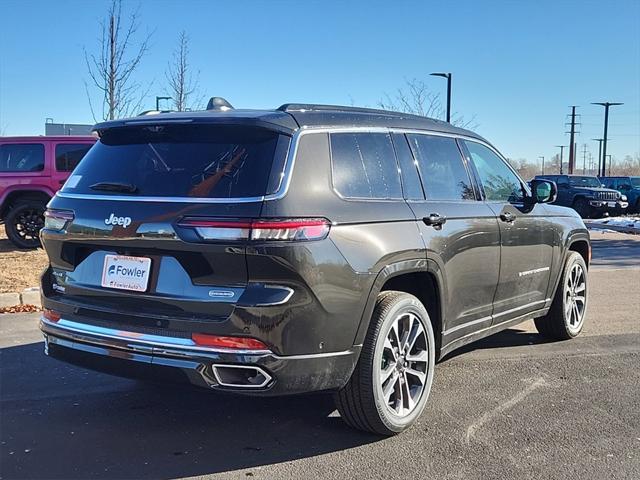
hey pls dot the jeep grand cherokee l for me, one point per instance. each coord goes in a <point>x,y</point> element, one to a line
<point>306,248</point>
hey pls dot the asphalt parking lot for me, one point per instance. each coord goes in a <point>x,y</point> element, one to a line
<point>510,406</point>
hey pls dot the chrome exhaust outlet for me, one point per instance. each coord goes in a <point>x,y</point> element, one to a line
<point>240,376</point>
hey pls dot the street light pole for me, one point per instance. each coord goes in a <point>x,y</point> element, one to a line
<point>158,101</point>
<point>448,77</point>
<point>561,147</point>
<point>542,157</point>
<point>606,106</point>
<point>599,140</point>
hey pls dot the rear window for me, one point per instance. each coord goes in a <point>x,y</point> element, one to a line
<point>364,166</point>
<point>68,155</point>
<point>199,161</point>
<point>22,157</point>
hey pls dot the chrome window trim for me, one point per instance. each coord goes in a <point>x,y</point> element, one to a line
<point>288,170</point>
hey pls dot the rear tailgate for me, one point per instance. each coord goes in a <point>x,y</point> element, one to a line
<point>127,198</point>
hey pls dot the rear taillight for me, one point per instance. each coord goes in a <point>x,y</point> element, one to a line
<point>297,229</point>
<point>239,343</point>
<point>57,219</point>
<point>51,315</point>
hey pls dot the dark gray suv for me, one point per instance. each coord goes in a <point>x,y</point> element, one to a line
<point>306,248</point>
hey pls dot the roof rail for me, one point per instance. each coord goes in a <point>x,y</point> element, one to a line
<point>293,107</point>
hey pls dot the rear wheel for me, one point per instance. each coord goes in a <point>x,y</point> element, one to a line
<point>390,385</point>
<point>566,316</point>
<point>23,223</point>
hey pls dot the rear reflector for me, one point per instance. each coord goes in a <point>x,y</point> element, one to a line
<point>241,343</point>
<point>51,315</point>
<point>259,230</point>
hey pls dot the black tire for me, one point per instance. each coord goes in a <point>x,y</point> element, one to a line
<point>581,206</point>
<point>559,323</point>
<point>23,223</point>
<point>360,402</point>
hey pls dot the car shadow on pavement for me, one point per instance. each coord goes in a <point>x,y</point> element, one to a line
<point>60,421</point>
<point>615,253</point>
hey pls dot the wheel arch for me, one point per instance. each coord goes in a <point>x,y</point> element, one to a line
<point>23,195</point>
<point>419,277</point>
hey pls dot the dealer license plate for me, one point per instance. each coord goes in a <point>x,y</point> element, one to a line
<point>126,273</point>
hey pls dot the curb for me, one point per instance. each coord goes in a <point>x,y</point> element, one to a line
<point>29,296</point>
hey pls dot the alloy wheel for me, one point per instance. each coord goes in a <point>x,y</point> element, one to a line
<point>575,297</point>
<point>404,364</point>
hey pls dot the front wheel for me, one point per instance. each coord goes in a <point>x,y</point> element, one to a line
<point>390,385</point>
<point>582,207</point>
<point>23,223</point>
<point>566,317</point>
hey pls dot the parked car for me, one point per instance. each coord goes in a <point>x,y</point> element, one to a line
<point>305,248</point>
<point>586,195</point>
<point>628,186</point>
<point>32,169</point>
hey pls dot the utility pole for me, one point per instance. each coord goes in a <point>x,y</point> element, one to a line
<point>584,158</point>
<point>561,147</point>
<point>606,106</point>
<point>572,152</point>
<point>542,157</point>
<point>599,140</point>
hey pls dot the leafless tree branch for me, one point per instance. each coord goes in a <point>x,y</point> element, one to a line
<point>182,86</point>
<point>111,69</point>
<point>416,98</point>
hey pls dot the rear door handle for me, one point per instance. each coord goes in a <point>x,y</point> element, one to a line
<point>434,220</point>
<point>507,217</point>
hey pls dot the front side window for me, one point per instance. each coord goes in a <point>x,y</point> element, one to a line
<point>364,166</point>
<point>68,155</point>
<point>500,183</point>
<point>199,161</point>
<point>22,157</point>
<point>635,182</point>
<point>442,169</point>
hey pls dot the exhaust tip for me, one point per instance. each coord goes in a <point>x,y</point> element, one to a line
<point>241,376</point>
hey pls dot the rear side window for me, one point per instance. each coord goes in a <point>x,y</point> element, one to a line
<point>68,155</point>
<point>500,183</point>
<point>22,157</point>
<point>364,166</point>
<point>444,175</point>
<point>199,161</point>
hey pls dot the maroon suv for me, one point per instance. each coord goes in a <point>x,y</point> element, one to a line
<point>32,169</point>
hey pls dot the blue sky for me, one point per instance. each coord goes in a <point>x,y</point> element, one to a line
<point>517,65</point>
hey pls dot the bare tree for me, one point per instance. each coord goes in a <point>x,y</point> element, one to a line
<point>111,69</point>
<point>182,85</point>
<point>416,98</point>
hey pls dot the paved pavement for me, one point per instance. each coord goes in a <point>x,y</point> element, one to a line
<point>510,406</point>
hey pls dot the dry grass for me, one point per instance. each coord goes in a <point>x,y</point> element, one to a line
<point>19,269</point>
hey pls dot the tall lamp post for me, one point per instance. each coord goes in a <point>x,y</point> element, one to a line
<point>561,147</point>
<point>448,77</point>
<point>542,157</point>
<point>606,106</point>
<point>158,101</point>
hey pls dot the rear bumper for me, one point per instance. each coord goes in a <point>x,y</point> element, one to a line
<point>161,358</point>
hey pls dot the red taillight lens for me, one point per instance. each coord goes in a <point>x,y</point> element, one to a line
<point>259,230</point>
<point>241,343</point>
<point>57,219</point>
<point>51,315</point>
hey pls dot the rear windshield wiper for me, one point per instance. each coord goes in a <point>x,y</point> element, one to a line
<point>115,187</point>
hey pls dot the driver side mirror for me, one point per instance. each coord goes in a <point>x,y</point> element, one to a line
<point>543,191</point>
